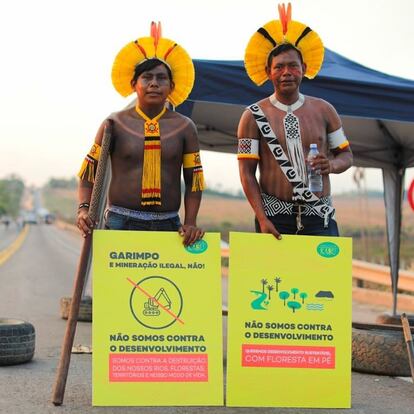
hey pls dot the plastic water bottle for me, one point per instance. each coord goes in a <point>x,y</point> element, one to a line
<point>314,176</point>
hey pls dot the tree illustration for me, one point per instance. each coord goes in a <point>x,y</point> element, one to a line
<point>264,283</point>
<point>294,305</point>
<point>277,281</point>
<point>294,291</point>
<point>303,296</point>
<point>284,295</point>
<point>270,288</point>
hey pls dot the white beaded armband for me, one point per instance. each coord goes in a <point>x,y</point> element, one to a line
<point>248,148</point>
<point>337,139</point>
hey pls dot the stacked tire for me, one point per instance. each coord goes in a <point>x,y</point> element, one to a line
<point>390,319</point>
<point>17,341</point>
<point>85,308</point>
<point>379,349</point>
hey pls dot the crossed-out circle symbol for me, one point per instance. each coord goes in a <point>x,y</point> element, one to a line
<point>156,302</point>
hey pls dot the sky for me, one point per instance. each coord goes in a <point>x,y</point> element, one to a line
<point>57,56</point>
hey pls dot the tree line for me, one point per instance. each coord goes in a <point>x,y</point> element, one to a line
<point>11,192</point>
<point>67,183</point>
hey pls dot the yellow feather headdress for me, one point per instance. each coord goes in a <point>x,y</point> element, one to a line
<point>157,47</point>
<point>277,32</point>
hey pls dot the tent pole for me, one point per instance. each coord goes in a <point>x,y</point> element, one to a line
<point>393,179</point>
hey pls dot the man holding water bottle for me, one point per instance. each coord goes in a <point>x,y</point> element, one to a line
<point>277,133</point>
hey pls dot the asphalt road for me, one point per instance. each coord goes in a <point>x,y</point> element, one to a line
<point>32,282</point>
<point>8,234</point>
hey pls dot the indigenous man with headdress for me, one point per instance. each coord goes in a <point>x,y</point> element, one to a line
<point>150,144</point>
<point>276,133</point>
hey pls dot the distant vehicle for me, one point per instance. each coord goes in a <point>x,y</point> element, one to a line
<point>30,217</point>
<point>50,218</point>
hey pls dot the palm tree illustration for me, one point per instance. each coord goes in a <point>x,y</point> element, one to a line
<point>277,281</point>
<point>264,283</point>
<point>270,288</point>
<point>303,296</point>
<point>294,291</point>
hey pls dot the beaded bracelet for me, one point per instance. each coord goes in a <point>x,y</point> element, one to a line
<point>83,205</point>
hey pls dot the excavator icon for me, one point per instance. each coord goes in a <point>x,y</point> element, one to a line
<point>151,306</point>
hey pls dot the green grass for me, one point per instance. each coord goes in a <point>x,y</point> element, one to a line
<point>372,245</point>
<point>224,214</point>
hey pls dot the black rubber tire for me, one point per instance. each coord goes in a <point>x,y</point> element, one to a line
<point>17,341</point>
<point>389,319</point>
<point>85,308</point>
<point>379,349</point>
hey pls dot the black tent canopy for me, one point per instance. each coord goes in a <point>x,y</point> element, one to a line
<point>377,111</point>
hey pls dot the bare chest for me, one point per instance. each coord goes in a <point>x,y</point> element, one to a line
<point>129,141</point>
<point>310,126</point>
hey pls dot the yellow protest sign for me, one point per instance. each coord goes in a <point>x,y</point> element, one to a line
<point>289,326</point>
<point>157,332</point>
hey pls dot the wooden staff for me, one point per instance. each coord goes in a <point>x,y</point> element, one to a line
<point>63,367</point>
<point>408,341</point>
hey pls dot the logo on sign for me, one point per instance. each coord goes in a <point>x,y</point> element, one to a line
<point>199,246</point>
<point>328,249</point>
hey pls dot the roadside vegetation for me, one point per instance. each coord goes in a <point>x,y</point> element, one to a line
<point>59,197</point>
<point>359,217</point>
<point>11,192</point>
<point>362,217</point>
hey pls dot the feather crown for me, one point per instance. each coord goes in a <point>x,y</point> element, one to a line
<point>273,34</point>
<point>154,47</point>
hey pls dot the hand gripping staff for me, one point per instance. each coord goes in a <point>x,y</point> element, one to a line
<point>96,199</point>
